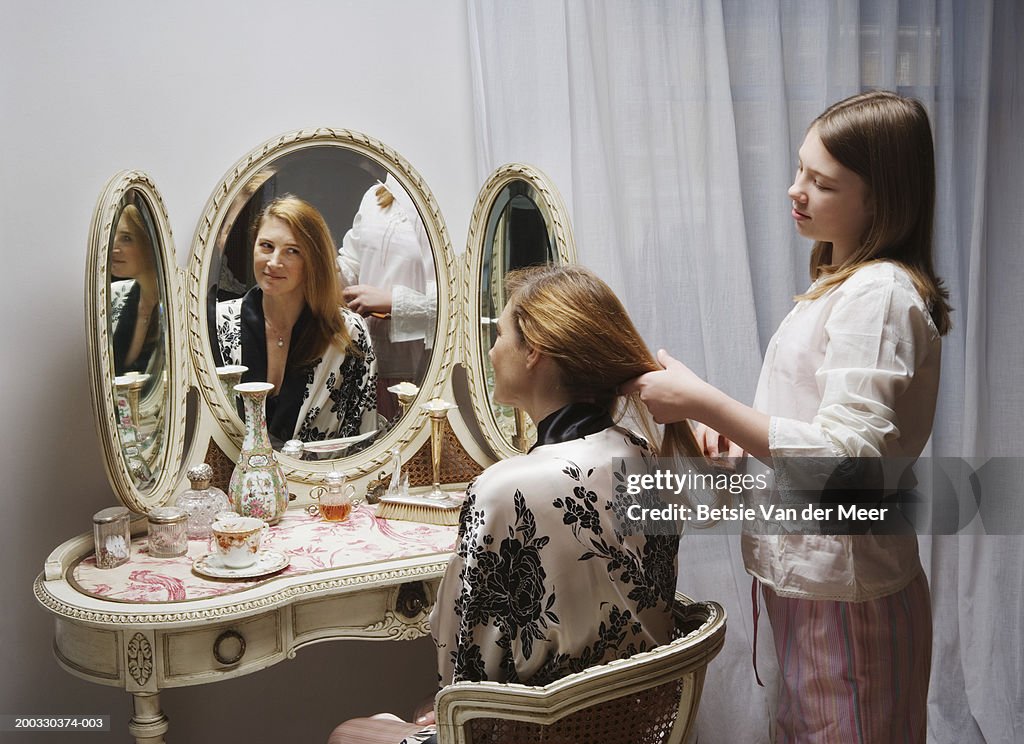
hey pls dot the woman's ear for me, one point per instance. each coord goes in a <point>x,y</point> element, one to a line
<point>533,357</point>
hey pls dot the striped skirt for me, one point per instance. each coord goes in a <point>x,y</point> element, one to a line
<point>853,672</point>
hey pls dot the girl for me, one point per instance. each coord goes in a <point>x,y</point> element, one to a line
<point>852,371</point>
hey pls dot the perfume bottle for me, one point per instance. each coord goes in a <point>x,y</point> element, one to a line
<point>335,498</point>
<point>395,485</point>
<point>202,502</point>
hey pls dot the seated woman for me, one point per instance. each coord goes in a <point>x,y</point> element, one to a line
<point>134,295</point>
<point>546,579</point>
<point>292,331</point>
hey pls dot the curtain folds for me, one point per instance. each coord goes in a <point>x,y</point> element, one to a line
<point>671,130</point>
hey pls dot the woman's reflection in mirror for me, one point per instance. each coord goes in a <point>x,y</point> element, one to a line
<point>387,270</point>
<point>293,331</point>
<point>227,285</point>
<point>134,293</point>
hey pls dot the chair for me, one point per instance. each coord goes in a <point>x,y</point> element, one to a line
<point>646,699</point>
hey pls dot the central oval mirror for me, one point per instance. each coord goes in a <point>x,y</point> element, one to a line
<point>320,267</point>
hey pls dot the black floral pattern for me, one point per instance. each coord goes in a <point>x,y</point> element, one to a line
<point>549,550</point>
<point>344,402</point>
<point>119,292</point>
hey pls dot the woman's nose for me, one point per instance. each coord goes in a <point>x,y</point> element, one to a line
<point>795,193</point>
<point>275,259</point>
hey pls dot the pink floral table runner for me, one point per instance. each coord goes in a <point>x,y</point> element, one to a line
<point>310,543</point>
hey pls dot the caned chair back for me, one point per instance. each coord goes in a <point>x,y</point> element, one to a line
<point>649,698</point>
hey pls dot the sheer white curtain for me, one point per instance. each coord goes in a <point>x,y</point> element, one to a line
<point>671,129</point>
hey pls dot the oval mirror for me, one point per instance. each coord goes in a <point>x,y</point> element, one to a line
<point>137,367</point>
<point>519,220</point>
<point>307,217</point>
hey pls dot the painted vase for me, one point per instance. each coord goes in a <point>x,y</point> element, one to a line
<point>258,487</point>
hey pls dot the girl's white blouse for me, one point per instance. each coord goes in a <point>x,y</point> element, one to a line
<point>853,373</point>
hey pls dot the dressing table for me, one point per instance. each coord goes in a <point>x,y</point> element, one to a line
<point>155,623</point>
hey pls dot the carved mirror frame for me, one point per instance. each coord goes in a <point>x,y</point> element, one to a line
<point>475,342</point>
<point>201,260</point>
<point>98,334</point>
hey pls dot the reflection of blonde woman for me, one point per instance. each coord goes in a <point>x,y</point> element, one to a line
<point>291,330</point>
<point>547,578</point>
<point>135,300</point>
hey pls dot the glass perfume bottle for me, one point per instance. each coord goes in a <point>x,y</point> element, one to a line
<point>202,502</point>
<point>395,485</point>
<point>335,498</point>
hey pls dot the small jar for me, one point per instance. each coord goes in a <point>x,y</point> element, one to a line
<point>293,448</point>
<point>167,532</point>
<point>111,534</point>
<point>202,502</point>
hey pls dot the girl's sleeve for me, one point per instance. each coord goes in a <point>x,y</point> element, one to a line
<point>350,254</point>
<point>876,336</point>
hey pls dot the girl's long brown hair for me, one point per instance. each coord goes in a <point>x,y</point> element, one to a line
<point>886,140</point>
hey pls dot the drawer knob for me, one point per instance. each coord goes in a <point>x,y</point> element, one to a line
<point>231,637</point>
<point>412,599</point>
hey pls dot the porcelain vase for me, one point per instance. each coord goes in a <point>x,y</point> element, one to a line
<point>258,487</point>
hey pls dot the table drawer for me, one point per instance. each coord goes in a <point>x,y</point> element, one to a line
<point>235,648</point>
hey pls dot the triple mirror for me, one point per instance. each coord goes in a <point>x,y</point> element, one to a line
<point>304,206</point>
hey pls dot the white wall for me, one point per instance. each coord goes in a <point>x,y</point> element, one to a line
<point>181,90</point>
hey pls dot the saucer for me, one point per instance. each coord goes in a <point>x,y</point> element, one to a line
<point>267,562</point>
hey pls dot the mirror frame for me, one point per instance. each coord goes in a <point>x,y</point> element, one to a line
<point>101,373</point>
<point>557,217</point>
<point>200,262</point>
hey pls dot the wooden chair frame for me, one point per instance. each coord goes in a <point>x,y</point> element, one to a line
<point>701,629</point>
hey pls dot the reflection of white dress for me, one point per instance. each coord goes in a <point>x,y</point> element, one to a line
<point>388,248</point>
<point>338,397</point>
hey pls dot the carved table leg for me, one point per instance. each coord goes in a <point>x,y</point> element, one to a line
<point>148,724</point>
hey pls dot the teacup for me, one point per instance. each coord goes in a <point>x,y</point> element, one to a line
<point>237,540</point>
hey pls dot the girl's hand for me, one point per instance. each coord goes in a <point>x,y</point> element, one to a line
<point>714,445</point>
<point>365,299</point>
<point>670,394</point>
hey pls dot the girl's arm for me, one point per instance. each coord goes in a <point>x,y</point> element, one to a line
<point>676,393</point>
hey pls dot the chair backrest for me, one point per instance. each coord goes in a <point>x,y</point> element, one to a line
<point>650,698</point>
